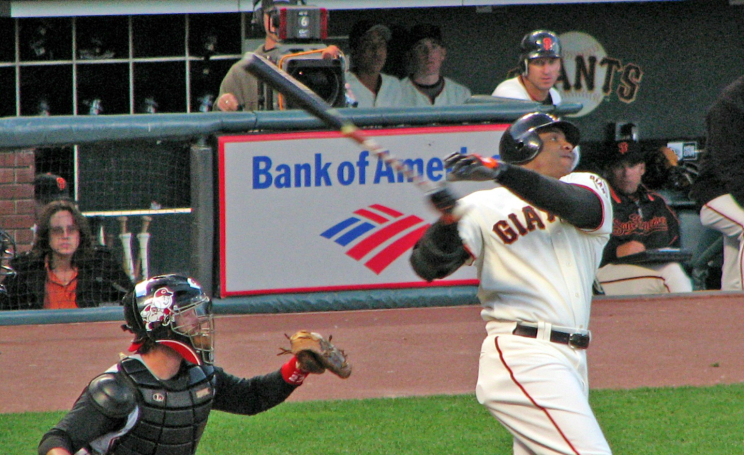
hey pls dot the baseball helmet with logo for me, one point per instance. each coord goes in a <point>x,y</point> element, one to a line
<point>171,310</point>
<point>521,141</point>
<point>538,44</point>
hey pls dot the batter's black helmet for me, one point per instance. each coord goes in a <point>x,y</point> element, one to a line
<point>521,141</point>
<point>538,44</point>
<point>172,310</point>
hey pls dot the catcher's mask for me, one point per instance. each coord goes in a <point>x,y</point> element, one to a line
<point>521,141</point>
<point>538,44</point>
<point>172,310</point>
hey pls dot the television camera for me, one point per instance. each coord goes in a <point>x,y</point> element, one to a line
<point>300,29</point>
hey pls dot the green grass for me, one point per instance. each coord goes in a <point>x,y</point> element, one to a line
<point>665,421</point>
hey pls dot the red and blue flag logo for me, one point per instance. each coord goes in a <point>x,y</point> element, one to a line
<point>377,235</point>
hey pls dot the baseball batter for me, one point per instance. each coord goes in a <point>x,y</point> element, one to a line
<point>536,240</point>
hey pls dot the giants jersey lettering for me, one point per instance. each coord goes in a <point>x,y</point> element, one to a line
<point>542,266</point>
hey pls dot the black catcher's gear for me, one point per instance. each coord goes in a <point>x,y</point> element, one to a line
<point>172,418</point>
<point>521,141</point>
<point>174,311</point>
<point>538,44</point>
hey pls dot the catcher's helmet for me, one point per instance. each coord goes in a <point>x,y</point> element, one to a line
<point>521,141</point>
<point>538,44</point>
<point>174,311</point>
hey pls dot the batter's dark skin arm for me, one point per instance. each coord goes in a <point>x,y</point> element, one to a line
<point>575,204</point>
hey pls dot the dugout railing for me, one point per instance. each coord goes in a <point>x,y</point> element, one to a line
<point>105,142</point>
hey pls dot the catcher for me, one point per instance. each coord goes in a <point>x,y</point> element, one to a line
<point>157,400</point>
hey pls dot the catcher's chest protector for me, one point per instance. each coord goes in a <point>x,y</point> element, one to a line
<point>172,416</point>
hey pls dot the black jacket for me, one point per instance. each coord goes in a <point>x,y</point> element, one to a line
<point>648,220</point>
<point>100,279</point>
<point>722,163</point>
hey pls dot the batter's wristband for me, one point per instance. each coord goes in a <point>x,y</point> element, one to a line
<point>496,167</point>
<point>291,373</point>
<point>487,161</point>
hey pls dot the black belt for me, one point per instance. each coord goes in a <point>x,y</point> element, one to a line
<point>575,340</point>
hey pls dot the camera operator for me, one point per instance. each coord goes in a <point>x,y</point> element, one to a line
<point>240,90</point>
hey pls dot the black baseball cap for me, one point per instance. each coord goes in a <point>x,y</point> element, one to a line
<point>50,187</point>
<point>361,28</point>
<point>424,31</point>
<point>629,152</point>
<point>266,5</point>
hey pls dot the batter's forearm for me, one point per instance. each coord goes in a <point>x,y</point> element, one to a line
<point>574,204</point>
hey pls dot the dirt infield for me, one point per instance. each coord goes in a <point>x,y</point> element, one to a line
<point>662,341</point>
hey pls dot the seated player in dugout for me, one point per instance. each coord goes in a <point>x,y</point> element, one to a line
<point>242,91</point>
<point>158,399</point>
<point>642,221</point>
<point>536,240</point>
<point>64,268</point>
<point>367,85</point>
<point>540,60</point>
<point>425,85</point>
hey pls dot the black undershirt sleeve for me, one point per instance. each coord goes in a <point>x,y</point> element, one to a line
<point>575,204</point>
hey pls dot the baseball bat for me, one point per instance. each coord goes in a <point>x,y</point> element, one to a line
<point>143,238</point>
<point>126,243</point>
<point>298,93</point>
<point>101,232</point>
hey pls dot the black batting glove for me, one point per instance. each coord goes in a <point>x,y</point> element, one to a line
<point>445,202</point>
<point>472,167</point>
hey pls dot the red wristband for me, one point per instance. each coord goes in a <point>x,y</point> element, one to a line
<point>487,161</point>
<point>291,373</point>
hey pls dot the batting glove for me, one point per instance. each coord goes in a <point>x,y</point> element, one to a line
<point>445,202</point>
<point>471,167</point>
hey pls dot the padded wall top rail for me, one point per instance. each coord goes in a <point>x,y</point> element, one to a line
<point>282,303</point>
<point>54,131</point>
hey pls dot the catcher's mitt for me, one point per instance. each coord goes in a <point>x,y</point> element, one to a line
<point>315,354</point>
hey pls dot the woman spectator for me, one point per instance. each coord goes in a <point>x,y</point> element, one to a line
<point>64,269</point>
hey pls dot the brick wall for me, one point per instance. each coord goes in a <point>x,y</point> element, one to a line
<point>17,172</point>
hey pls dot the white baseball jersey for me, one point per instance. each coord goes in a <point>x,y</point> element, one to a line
<point>513,88</point>
<point>390,93</point>
<point>532,265</point>
<point>452,93</point>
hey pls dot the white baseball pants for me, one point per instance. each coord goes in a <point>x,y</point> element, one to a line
<point>539,391</point>
<point>725,215</point>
